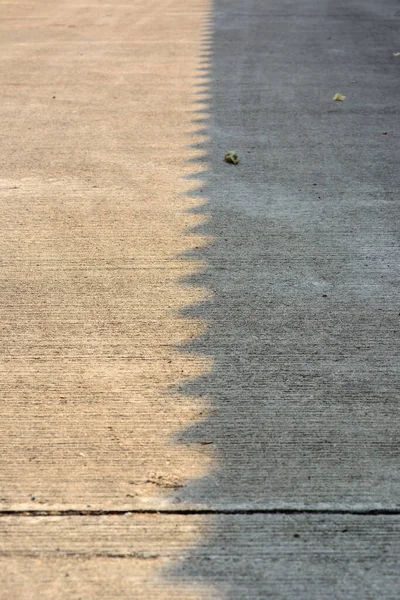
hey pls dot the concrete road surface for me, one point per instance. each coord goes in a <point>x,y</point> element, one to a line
<point>199,361</point>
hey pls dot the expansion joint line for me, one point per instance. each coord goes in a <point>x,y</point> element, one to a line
<point>202,511</point>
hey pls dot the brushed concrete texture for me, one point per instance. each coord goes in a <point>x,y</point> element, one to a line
<point>258,557</point>
<point>95,125</point>
<point>180,333</point>
<point>303,327</point>
<point>156,298</point>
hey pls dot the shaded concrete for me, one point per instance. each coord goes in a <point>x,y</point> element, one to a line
<point>304,265</point>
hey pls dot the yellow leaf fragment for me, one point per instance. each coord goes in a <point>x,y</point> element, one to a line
<point>338,97</point>
<point>231,157</point>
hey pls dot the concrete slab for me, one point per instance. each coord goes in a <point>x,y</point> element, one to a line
<point>179,334</point>
<point>290,368</point>
<point>253,556</point>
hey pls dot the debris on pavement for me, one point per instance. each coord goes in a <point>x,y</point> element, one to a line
<point>231,157</point>
<point>164,481</point>
<point>396,53</point>
<point>338,97</point>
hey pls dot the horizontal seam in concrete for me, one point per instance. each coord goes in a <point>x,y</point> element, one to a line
<point>83,555</point>
<point>204,511</point>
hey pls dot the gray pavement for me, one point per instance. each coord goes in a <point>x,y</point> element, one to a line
<point>200,360</point>
<point>303,267</point>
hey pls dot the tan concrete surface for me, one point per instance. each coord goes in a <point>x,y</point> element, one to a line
<point>96,123</point>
